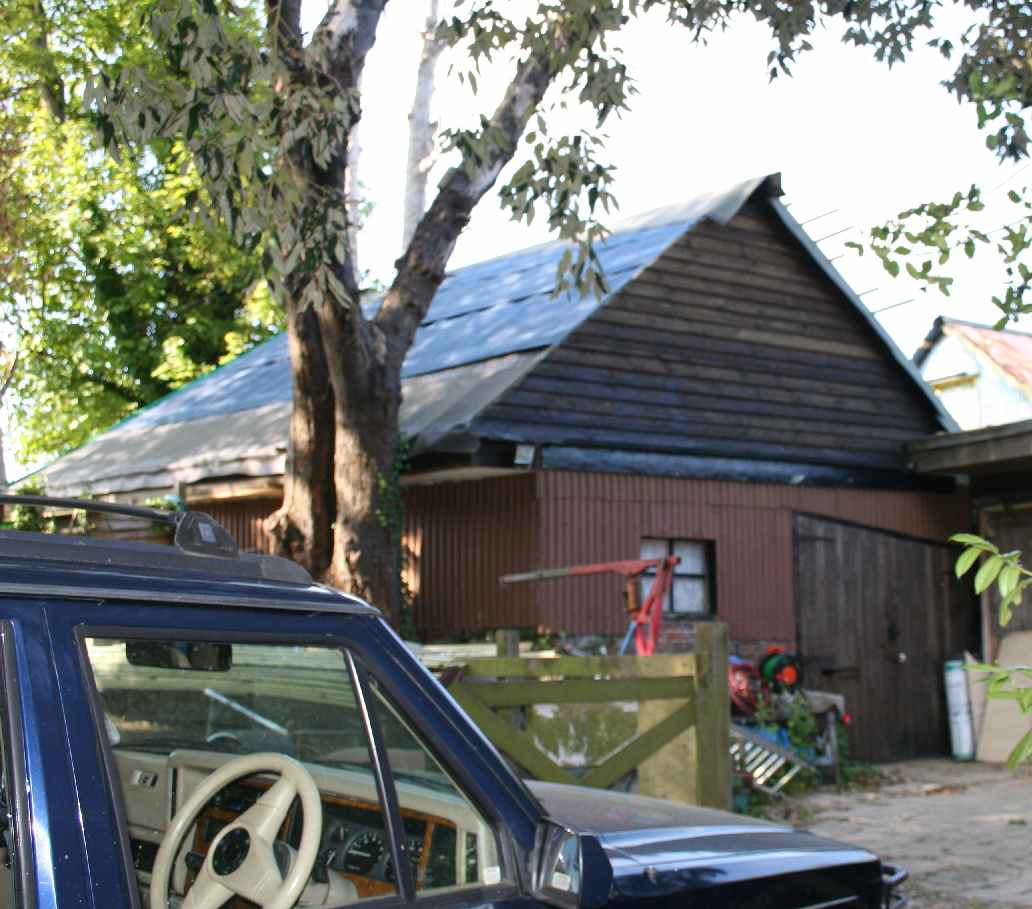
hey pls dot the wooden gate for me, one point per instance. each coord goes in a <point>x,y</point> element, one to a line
<point>878,613</point>
<point>666,717</point>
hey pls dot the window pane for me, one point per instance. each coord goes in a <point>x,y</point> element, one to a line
<point>175,711</point>
<point>693,557</point>
<point>645,583</point>
<point>654,549</point>
<point>690,596</point>
<point>449,842</point>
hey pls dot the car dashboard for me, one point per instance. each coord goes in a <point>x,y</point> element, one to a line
<point>443,838</point>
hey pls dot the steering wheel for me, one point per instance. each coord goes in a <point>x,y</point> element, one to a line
<point>241,859</point>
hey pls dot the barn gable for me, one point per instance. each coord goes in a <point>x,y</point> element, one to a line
<point>736,345</point>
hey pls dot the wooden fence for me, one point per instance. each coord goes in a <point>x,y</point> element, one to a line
<point>595,720</point>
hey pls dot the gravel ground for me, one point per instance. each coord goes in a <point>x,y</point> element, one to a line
<point>963,830</point>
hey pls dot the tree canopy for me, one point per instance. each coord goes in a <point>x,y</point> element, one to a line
<point>114,289</point>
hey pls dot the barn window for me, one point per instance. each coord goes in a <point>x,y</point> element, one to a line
<point>691,593</point>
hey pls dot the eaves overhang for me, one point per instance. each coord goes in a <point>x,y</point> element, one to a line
<point>977,451</point>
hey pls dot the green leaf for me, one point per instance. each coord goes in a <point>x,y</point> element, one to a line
<point>1022,752</point>
<point>969,539</point>
<point>965,560</point>
<point>1006,612</point>
<point>1008,579</point>
<point>988,572</point>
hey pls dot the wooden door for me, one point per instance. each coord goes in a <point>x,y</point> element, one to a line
<point>877,616</point>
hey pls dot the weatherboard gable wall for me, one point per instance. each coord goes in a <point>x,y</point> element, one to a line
<point>734,343</point>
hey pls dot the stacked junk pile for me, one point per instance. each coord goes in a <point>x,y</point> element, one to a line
<point>779,728</point>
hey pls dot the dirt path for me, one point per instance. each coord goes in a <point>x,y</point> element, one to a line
<point>963,830</point>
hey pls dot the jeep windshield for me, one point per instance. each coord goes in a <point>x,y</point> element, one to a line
<point>163,696</point>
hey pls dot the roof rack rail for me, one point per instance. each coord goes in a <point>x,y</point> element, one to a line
<point>195,534</point>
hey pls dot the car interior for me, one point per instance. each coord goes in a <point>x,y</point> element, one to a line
<point>207,738</point>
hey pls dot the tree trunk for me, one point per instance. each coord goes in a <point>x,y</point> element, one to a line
<point>421,130</point>
<point>338,502</point>
<point>365,555</point>
<point>366,385</point>
<point>300,529</point>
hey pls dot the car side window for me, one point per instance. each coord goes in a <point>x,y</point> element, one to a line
<point>449,842</point>
<point>181,715</point>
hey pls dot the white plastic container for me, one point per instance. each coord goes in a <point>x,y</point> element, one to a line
<point>958,705</point>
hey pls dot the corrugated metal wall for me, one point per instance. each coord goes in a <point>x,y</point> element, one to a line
<point>461,537</point>
<point>598,517</point>
<point>243,519</point>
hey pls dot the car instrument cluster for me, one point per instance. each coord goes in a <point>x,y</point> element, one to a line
<point>354,841</point>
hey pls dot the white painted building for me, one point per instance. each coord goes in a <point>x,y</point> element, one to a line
<point>982,376</point>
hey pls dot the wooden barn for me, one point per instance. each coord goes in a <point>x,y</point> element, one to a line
<point>729,400</point>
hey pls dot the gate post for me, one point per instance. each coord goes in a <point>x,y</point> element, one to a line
<point>713,723</point>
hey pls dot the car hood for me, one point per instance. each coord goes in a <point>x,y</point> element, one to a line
<point>659,849</point>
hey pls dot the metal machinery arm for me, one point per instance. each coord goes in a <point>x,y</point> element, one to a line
<point>646,618</point>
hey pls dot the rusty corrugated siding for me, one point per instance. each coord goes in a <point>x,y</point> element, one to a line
<point>600,517</point>
<point>243,519</point>
<point>461,538</point>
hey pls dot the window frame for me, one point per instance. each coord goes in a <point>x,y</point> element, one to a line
<point>407,719</point>
<point>709,578</point>
<point>357,666</point>
<point>14,769</point>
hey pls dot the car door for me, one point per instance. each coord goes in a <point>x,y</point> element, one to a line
<point>416,806</point>
<point>42,853</point>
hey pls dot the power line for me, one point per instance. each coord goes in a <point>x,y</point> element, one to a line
<point>875,312</point>
<point>1007,179</point>
<point>844,230</point>
<point>818,217</point>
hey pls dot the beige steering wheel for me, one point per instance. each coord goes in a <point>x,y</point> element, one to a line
<point>241,859</point>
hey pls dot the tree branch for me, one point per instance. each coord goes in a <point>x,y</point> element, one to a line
<point>421,130</point>
<point>8,374</point>
<point>283,22</point>
<point>334,61</point>
<point>347,33</point>
<point>124,393</point>
<point>421,267</point>
<point>51,88</point>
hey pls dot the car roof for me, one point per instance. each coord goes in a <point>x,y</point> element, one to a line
<point>90,568</point>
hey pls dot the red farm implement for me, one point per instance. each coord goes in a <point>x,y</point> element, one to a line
<point>646,618</point>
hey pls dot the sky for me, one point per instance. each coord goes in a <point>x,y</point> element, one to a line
<point>849,136</point>
<point>854,141</point>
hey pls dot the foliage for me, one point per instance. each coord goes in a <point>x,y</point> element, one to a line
<point>993,75</point>
<point>1006,570</point>
<point>792,713</point>
<point>114,286</point>
<point>28,517</point>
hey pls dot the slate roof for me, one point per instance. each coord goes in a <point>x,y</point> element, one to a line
<point>490,323</point>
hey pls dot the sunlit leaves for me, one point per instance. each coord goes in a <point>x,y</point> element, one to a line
<point>1002,568</point>
<point>1011,579</point>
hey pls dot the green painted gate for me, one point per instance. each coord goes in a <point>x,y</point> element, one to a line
<point>594,720</point>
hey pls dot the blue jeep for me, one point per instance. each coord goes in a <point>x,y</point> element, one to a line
<point>190,726</point>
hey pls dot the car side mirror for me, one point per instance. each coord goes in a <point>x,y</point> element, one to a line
<point>570,870</point>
